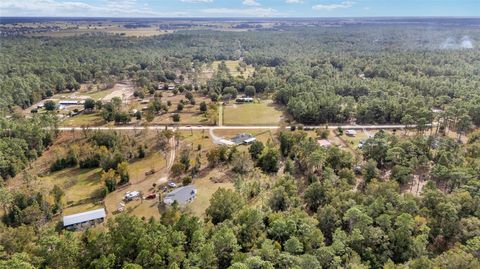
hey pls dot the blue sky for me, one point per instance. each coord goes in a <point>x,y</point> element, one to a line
<point>239,8</point>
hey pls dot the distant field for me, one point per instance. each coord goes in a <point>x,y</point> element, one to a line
<point>264,113</point>
<point>235,69</point>
<point>97,95</point>
<point>138,32</point>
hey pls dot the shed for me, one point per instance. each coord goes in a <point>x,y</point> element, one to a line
<point>69,102</point>
<point>244,100</point>
<point>324,143</point>
<point>243,139</point>
<point>90,217</point>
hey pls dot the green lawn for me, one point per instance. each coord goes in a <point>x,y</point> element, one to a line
<point>81,186</point>
<point>185,118</point>
<point>263,113</point>
<point>90,119</point>
<point>97,95</point>
<point>205,189</point>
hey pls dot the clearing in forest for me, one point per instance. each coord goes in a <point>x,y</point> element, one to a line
<point>263,113</point>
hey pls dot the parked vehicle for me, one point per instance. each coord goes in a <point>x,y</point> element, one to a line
<point>131,195</point>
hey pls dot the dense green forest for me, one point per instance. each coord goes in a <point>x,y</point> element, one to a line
<point>313,211</point>
<point>374,74</point>
<point>309,218</point>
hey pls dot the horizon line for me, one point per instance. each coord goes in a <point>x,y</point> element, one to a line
<point>243,17</point>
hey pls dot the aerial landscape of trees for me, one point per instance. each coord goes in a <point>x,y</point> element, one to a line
<point>293,203</point>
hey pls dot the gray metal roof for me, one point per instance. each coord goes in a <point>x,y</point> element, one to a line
<point>84,216</point>
<point>241,138</point>
<point>182,195</point>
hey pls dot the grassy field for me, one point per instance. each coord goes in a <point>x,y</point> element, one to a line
<point>235,69</point>
<point>205,189</point>
<point>110,29</point>
<point>90,119</point>
<point>97,95</point>
<point>137,169</point>
<point>81,186</point>
<point>263,113</point>
<point>185,118</point>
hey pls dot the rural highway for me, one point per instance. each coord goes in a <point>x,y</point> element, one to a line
<point>231,127</point>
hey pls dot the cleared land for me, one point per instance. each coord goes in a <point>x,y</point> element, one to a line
<point>205,189</point>
<point>236,68</point>
<point>84,119</point>
<point>263,113</point>
<point>114,29</point>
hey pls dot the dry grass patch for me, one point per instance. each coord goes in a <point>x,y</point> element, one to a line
<point>84,119</point>
<point>205,189</point>
<point>263,113</point>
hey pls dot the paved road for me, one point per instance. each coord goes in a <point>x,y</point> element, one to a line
<point>232,127</point>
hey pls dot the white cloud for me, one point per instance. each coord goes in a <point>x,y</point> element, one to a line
<point>196,1</point>
<point>293,1</point>
<point>59,8</point>
<point>328,7</point>
<point>366,8</point>
<point>252,3</point>
<point>241,12</point>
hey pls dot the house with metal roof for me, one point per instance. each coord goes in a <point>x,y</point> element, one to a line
<point>84,219</point>
<point>182,195</point>
<point>69,102</point>
<point>243,139</point>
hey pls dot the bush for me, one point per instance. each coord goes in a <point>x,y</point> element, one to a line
<point>180,107</point>
<point>186,180</point>
<point>340,130</point>
<point>50,105</point>
<point>203,106</point>
<point>92,161</point>
<point>323,133</point>
<point>176,117</point>
<point>59,164</point>
<point>177,169</point>
<point>89,104</point>
<point>141,151</point>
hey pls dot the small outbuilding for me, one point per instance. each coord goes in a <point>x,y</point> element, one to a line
<point>69,102</point>
<point>351,133</point>
<point>243,139</point>
<point>84,219</point>
<point>244,100</point>
<point>324,143</point>
<point>182,195</point>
